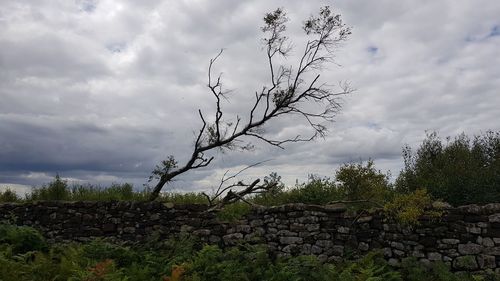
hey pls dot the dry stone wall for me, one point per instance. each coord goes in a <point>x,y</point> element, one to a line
<point>466,238</point>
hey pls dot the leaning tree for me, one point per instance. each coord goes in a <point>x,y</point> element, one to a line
<point>292,90</point>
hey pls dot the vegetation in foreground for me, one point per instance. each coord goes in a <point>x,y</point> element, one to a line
<point>24,255</point>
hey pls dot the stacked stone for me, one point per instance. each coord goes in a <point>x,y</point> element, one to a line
<point>467,238</point>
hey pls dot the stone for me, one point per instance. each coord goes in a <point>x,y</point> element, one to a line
<point>244,228</point>
<point>417,254</point>
<point>488,242</point>
<point>291,249</point>
<point>473,229</point>
<point>129,229</point>
<point>485,261</point>
<point>465,263</point>
<point>308,220</point>
<point>255,223</point>
<point>202,232</point>
<point>169,205</point>
<point>450,241</point>
<point>387,252</point>
<point>312,227</point>
<point>441,205</point>
<point>365,219</point>
<point>233,238</point>
<point>297,227</point>
<point>323,236</point>
<point>398,253</point>
<point>393,262</point>
<point>290,240</point>
<point>469,249</point>
<point>154,217</point>
<point>285,232</point>
<point>363,246</point>
<point>272,230</point>
<point>495,251</point>
<point>324,243</point>
<point>337,250</point>
<point>316,250</point>
<point>214,239</point>
<point>434,256</point>
<point>343,230</point>
<point>470,209</point>
<point>397,245</point>
<point>494,218</point>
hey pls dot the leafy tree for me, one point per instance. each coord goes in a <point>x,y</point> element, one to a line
<point>292,90</point>
<point>459,171</point>
<point>357,181</point>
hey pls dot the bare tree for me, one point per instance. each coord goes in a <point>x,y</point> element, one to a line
<point>292,91</point>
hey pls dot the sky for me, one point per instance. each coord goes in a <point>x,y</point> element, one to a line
<point>102,91</point>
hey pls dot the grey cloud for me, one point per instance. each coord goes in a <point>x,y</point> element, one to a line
<point>101,91</point>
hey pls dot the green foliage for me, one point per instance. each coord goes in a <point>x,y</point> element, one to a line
<point>182,259</point>
<point>21,239</point>
<point>408,208</point>
<point>8,196</point>
<point>360,182</point>
<point>301,268</point>
<point>234,211</point>
<point>59,189</point>
<point>412,270</point>
<point>371,267</point>
<point>100,250</point>
<point>55,190</point>
<point>460,171</point>
<point>183,198</point>
<point>114,192</point>
<point>316,191</point>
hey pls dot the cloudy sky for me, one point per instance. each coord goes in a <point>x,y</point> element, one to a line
<point>101,91</point>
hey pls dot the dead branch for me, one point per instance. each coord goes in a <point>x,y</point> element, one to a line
<point>289,93</point>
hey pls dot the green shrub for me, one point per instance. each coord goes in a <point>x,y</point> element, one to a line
<point>183,198</point>
<point>21,238</point>
<point>315,191</point>
<point>8,196</point>
<point>371,267</point>
<point>460,171</point>
<point>408,208</point>
<point>100,250</point>
<point>359,182</point>
<point>55,190</point>
<point>234,211</point>
<point>412,270</point>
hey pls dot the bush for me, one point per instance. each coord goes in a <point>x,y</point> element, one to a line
<point>100,250</point>
<point>460,171</point>
<point>360,182</point>
<point>9,196</point>
<point>408,208</point>
<point>55,190</point>
<point>21,238</point>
